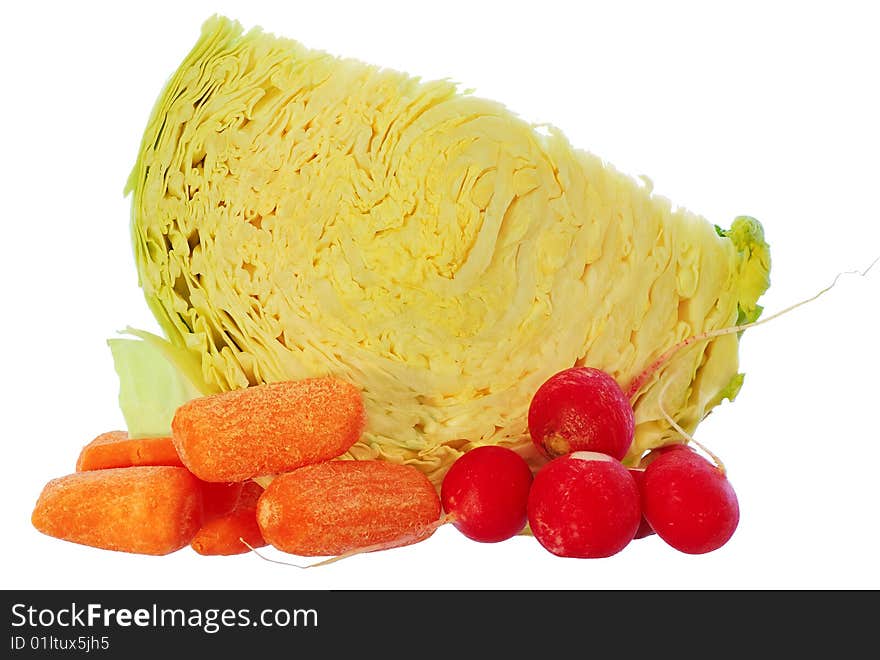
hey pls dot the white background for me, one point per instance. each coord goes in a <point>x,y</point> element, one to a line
<point>761,108</point>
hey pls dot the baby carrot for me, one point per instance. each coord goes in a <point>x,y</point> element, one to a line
<point>267,429</point>
<point>222,535</point>
<point>152,510</point>
<point>335,507</point>
<point>116,449</point>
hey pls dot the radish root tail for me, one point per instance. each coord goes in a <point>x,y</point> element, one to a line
<point>687,436</point>
<point>638,382</point>
<point>659,362</point>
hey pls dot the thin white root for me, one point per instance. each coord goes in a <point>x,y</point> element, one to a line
<point>711,334</point>
<point>745,326</point>
<point>687,436</point>
<point>269,559</point>
<point>419,535</point>
<point>639,381</point>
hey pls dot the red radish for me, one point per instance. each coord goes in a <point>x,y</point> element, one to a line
<point>645,528</point>
<point>638,474</point>
<point>584,504</point>
<point>485,493</point>
<point>657,452</point>
<point>581,409</point>
<point>689,502</point>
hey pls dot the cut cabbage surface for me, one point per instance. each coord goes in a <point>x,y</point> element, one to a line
<point>295,214</point>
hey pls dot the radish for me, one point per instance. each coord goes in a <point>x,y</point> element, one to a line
<point>689,502</point>
<point>485,493</point>
<point>657,452</point>
<point>581,409</point>
<point>645,528</point>
<point>585,504</point>
<point>638,474</point>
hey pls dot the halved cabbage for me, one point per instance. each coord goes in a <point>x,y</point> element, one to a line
<point>295,214</point>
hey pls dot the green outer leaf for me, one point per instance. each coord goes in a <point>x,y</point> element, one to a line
<point>151,387</point>
<point>747,236</point>
<point>729,392</point>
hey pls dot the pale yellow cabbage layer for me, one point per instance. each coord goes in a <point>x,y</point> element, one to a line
<point>295,214</point>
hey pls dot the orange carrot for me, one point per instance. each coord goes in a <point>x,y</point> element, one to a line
<point>152,510</point>
<point>267,429</point>
<point>335,507</point>
<point>222,535</point>
<point>116,449</point>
